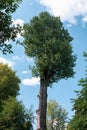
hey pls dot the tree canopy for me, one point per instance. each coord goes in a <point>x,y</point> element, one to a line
<point>79,120</point>
<point>7,29</point>
<point>9,82</point>
<point>13,114</point>
<point>56,116</point>
<point>46,40</point>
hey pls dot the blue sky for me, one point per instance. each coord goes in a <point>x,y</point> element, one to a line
<point>74,16</point>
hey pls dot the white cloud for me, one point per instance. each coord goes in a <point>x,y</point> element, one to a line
<point>18,21</point>
<point>21,23</point>
<point>31,82</point>
<point>15,58</point>
<point>24,72</point>
<point>69,25</point>
<point>84,20</point>
<point>66,9</point>
<point>30,59</point>
<point>4,61</point>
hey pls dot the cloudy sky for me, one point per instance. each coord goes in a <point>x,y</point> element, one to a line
<point>73,14</point>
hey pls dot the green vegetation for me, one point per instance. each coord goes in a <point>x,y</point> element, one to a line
<point>56,116</point>
<point>13,115</point>
<point>46,40</point>
<point>9,83</point>
<point>79,120</point>
<point>7,30</point>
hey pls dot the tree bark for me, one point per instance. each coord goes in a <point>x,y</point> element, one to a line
<point>42,104</point>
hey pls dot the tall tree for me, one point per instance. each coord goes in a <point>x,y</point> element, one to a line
<point>9,82</point>
<point>46,40</point>
<point>56,116</point>
<point>7,29</point>
<point>79,120</point>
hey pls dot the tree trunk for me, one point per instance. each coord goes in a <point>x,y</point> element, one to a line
<point>42,105</point>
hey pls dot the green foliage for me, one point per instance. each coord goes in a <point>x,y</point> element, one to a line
<point>9,82</point>
<point>46,40</point>
<point>79,120</point>
<point>7,30</point>
<point>14,116</point>
<point>56,116</point>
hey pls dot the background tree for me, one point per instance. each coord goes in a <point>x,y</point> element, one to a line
<point>9,82</point>
<point>56,116</point>
<point>68,126</point>
<point>14,116</point>
<point>46,40</point>
<point>7,29</point>
<point>79,120</point>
